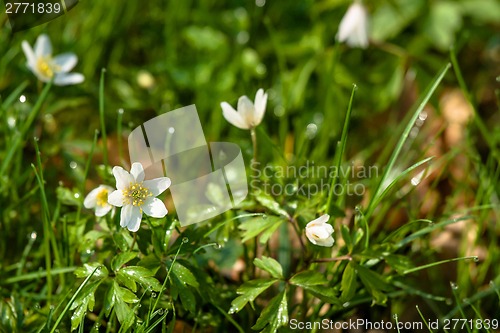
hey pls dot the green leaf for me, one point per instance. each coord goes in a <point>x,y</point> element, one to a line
<point>346,236</point>
<point>270,265</point>
<point>374,283</point>
<point>275,314</point>
<point>121,241</point>
<point>125,295</point>
<point>184,274</point>
<point>187,297</point>
<point>120,259</point>
<point>399,262</point>
<point>326,294</point>
<point>254,226</point>
<point>308,278</point>
<point>348,284</point>
<point>141,275</point>
<point>267,201</point>
<point>126,281</point>
<point>249,291</point>
<point>87,269</point>
<point>85,300</point>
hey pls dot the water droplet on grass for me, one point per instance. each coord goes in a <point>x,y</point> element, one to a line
<point>232,310</point>
<point>73,165</point>
<point>185,240</point>
<point>33,235</point>
<point>476,259</point>
<point>22,98</point>
<point>154,295</point>
<point>453,285</point>
<point>346,304</point>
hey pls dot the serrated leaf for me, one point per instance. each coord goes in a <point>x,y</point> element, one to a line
<point>267,201</point>
<point>249,291</point>
<point>269,265</point>
<point>126,281</point>
<point>275,314</point>
<point>187,297</point>
<point>308,278</point>
<point>85,300</point>
<point>326,294</point>
<point>374,283</point>
<point>87,269</point>
<point>184,274</point>
<point>125,295</point>
<point>125,314</point>
<point>141,275</point>
<point>122,258</point>
<point>348,284</point>
<point>254,226</point>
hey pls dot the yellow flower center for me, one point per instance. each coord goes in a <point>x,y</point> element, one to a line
<point>136,194</point>
<point>44,66</point>
<point>102,198</point>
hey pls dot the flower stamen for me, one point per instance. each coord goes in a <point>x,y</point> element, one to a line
<point>102,198</point>
<point>136,194</point>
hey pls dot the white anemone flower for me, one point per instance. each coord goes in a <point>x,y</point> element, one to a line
<point>136,196</point>
<point>319,232</point>
<point>353,27</point>
<point>97,199</point>
<point>249,114</point>
<point>46,67</point>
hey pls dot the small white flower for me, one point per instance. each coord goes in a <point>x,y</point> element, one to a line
<point>98,199</point>
<point>353,27</point>
<point>136,195</point>
<point>249,114</point>
<point>46,67</point>
<point>319,232</point>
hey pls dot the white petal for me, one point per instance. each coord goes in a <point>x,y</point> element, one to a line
<point>130,217</point>
<point>137,171</point>
<point>326,242</point>
<point>65,61</point>
<point>123,178</point>
<point>246,110</point>
<point>91,198</point>
<point>157,185</point>
<point>260,106</point>
<point>116,198</point>
<point>43,47</point>
<point>154,207</point>
<point>353,27</point>
<point>102,210</point>
<point>232,116</point>
<point>65,79</point>
<point>135,218</point>
<point>30,55</point>
<point>320,220</point>
<point>319,232</point>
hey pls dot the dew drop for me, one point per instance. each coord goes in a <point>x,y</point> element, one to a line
<point>218,246</point>
<point>77,195</point>
<point>73,165</point>
<point>171,130</point>
<point>185,240</point>
<point>453,285</point>
<point>466,301</point>
<point>346,304</point>
<point>11,121</point>
<point>154,295</point>
<point>311,131</point>
<point>36,138</point>
<point>22,98</point>
<point>395,316</point>
<point>160,312</point>
<point>476,259</point>
<point>121,111</point>
<point>264,216</point>
<point>232,310</point>
<point>37,306</point>
<point>33,235</point>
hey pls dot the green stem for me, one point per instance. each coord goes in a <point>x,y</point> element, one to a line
<point>18,139</point>
<point>101,115</point>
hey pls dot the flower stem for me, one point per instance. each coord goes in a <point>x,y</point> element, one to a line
<point>254,144</point>
<point>346,257</point>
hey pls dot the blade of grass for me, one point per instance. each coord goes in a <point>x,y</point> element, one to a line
<point>18,138</point>
<point>419,268</point>
<point>340,153</point>
<point>423,319</point>
<point>101,115</point>
<point>395,154</point>
<point>38,275</point>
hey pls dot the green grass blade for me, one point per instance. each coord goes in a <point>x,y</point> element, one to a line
<point>101,115</point>
<point>399,146</point>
